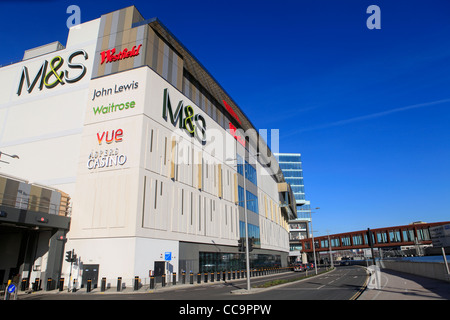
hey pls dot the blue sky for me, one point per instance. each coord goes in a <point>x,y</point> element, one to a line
<point>369,110</point>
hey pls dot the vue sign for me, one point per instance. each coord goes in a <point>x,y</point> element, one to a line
<point>55,75</point>
<point>116,135</point>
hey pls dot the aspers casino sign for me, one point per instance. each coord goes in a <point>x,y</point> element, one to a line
<point>107,158</point>
<point>55,71</point>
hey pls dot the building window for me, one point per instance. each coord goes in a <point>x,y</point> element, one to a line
<point>423,234</point>
<point>296,247</point>
<point>357,240</point>
<point>222,261</point>
<point>394,236</point>
<point>408,235</point>
<point>250,173</point>
<point>294,236</point>
<point>253,232</point>
<point>346,241</point>
<point>335,242</point>
<point>252,200</point>
<point>240,164</point>
<point>381,237</point>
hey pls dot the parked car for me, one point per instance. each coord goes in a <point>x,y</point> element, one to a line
<point>298,267</point>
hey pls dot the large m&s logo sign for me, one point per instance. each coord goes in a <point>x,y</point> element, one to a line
<point>56,75</point>
<point>184,115</point>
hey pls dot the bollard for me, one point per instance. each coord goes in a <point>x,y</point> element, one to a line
<point>174,278</point>
<point>49,284</point>
<point>36,284</point>
<point>88,285</point>
<point>119,284</point>
<point>103,285</point>
<point>183,278</point>
<point>223,275</point>
<point>199,278</point>
<point>206,277</point>
<point>212,276</point>
<point>136,283</point>
<point>229,275</point>
<point>61,284</point>
<point>163,280</point>
<point>152,282</point>
<point>23,285</point>
<point>218,276</point>
<point>191,278</point>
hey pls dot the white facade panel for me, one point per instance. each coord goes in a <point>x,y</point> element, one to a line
<point>43,124</point>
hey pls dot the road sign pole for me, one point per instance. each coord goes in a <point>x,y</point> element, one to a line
<point>445,261</point>
<point>247,253</point>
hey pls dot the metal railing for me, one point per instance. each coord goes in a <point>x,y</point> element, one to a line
<point>34,203</point>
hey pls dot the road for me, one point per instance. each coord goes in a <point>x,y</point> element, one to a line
<point>340,284</point>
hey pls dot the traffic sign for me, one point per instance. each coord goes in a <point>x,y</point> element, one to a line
<point>11,288</point>
<point>168,256</point>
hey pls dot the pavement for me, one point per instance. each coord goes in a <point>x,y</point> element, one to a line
<point>387,284</point>
<point>383,284</point>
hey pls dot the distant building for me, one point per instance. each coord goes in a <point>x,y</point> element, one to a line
<point>291,165</point>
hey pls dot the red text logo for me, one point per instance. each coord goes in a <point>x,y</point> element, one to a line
<point>231,111</point>
<point>110,55</point>
<point>235,135</point>
<point>110,137</point>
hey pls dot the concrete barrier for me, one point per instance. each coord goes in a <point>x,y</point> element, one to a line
<point>434,270</point>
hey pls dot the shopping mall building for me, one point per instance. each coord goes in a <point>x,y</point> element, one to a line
<point>157,159</point>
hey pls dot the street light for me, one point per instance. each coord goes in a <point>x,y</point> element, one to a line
<point>14,156</point>
<point>329,247</point>
<point>247,252</point>
<point>313,244</point>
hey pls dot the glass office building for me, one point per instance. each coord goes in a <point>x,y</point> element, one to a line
<point>291,165</point>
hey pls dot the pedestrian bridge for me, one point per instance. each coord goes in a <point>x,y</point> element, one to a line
<point>381,238</point>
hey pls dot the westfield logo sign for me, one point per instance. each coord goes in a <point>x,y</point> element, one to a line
<point>111,56</point>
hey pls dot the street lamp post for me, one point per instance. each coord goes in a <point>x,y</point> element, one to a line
<point>14,156</point>
<point>247,252</point>
<point>313,243</point>
<point>329,247</point>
